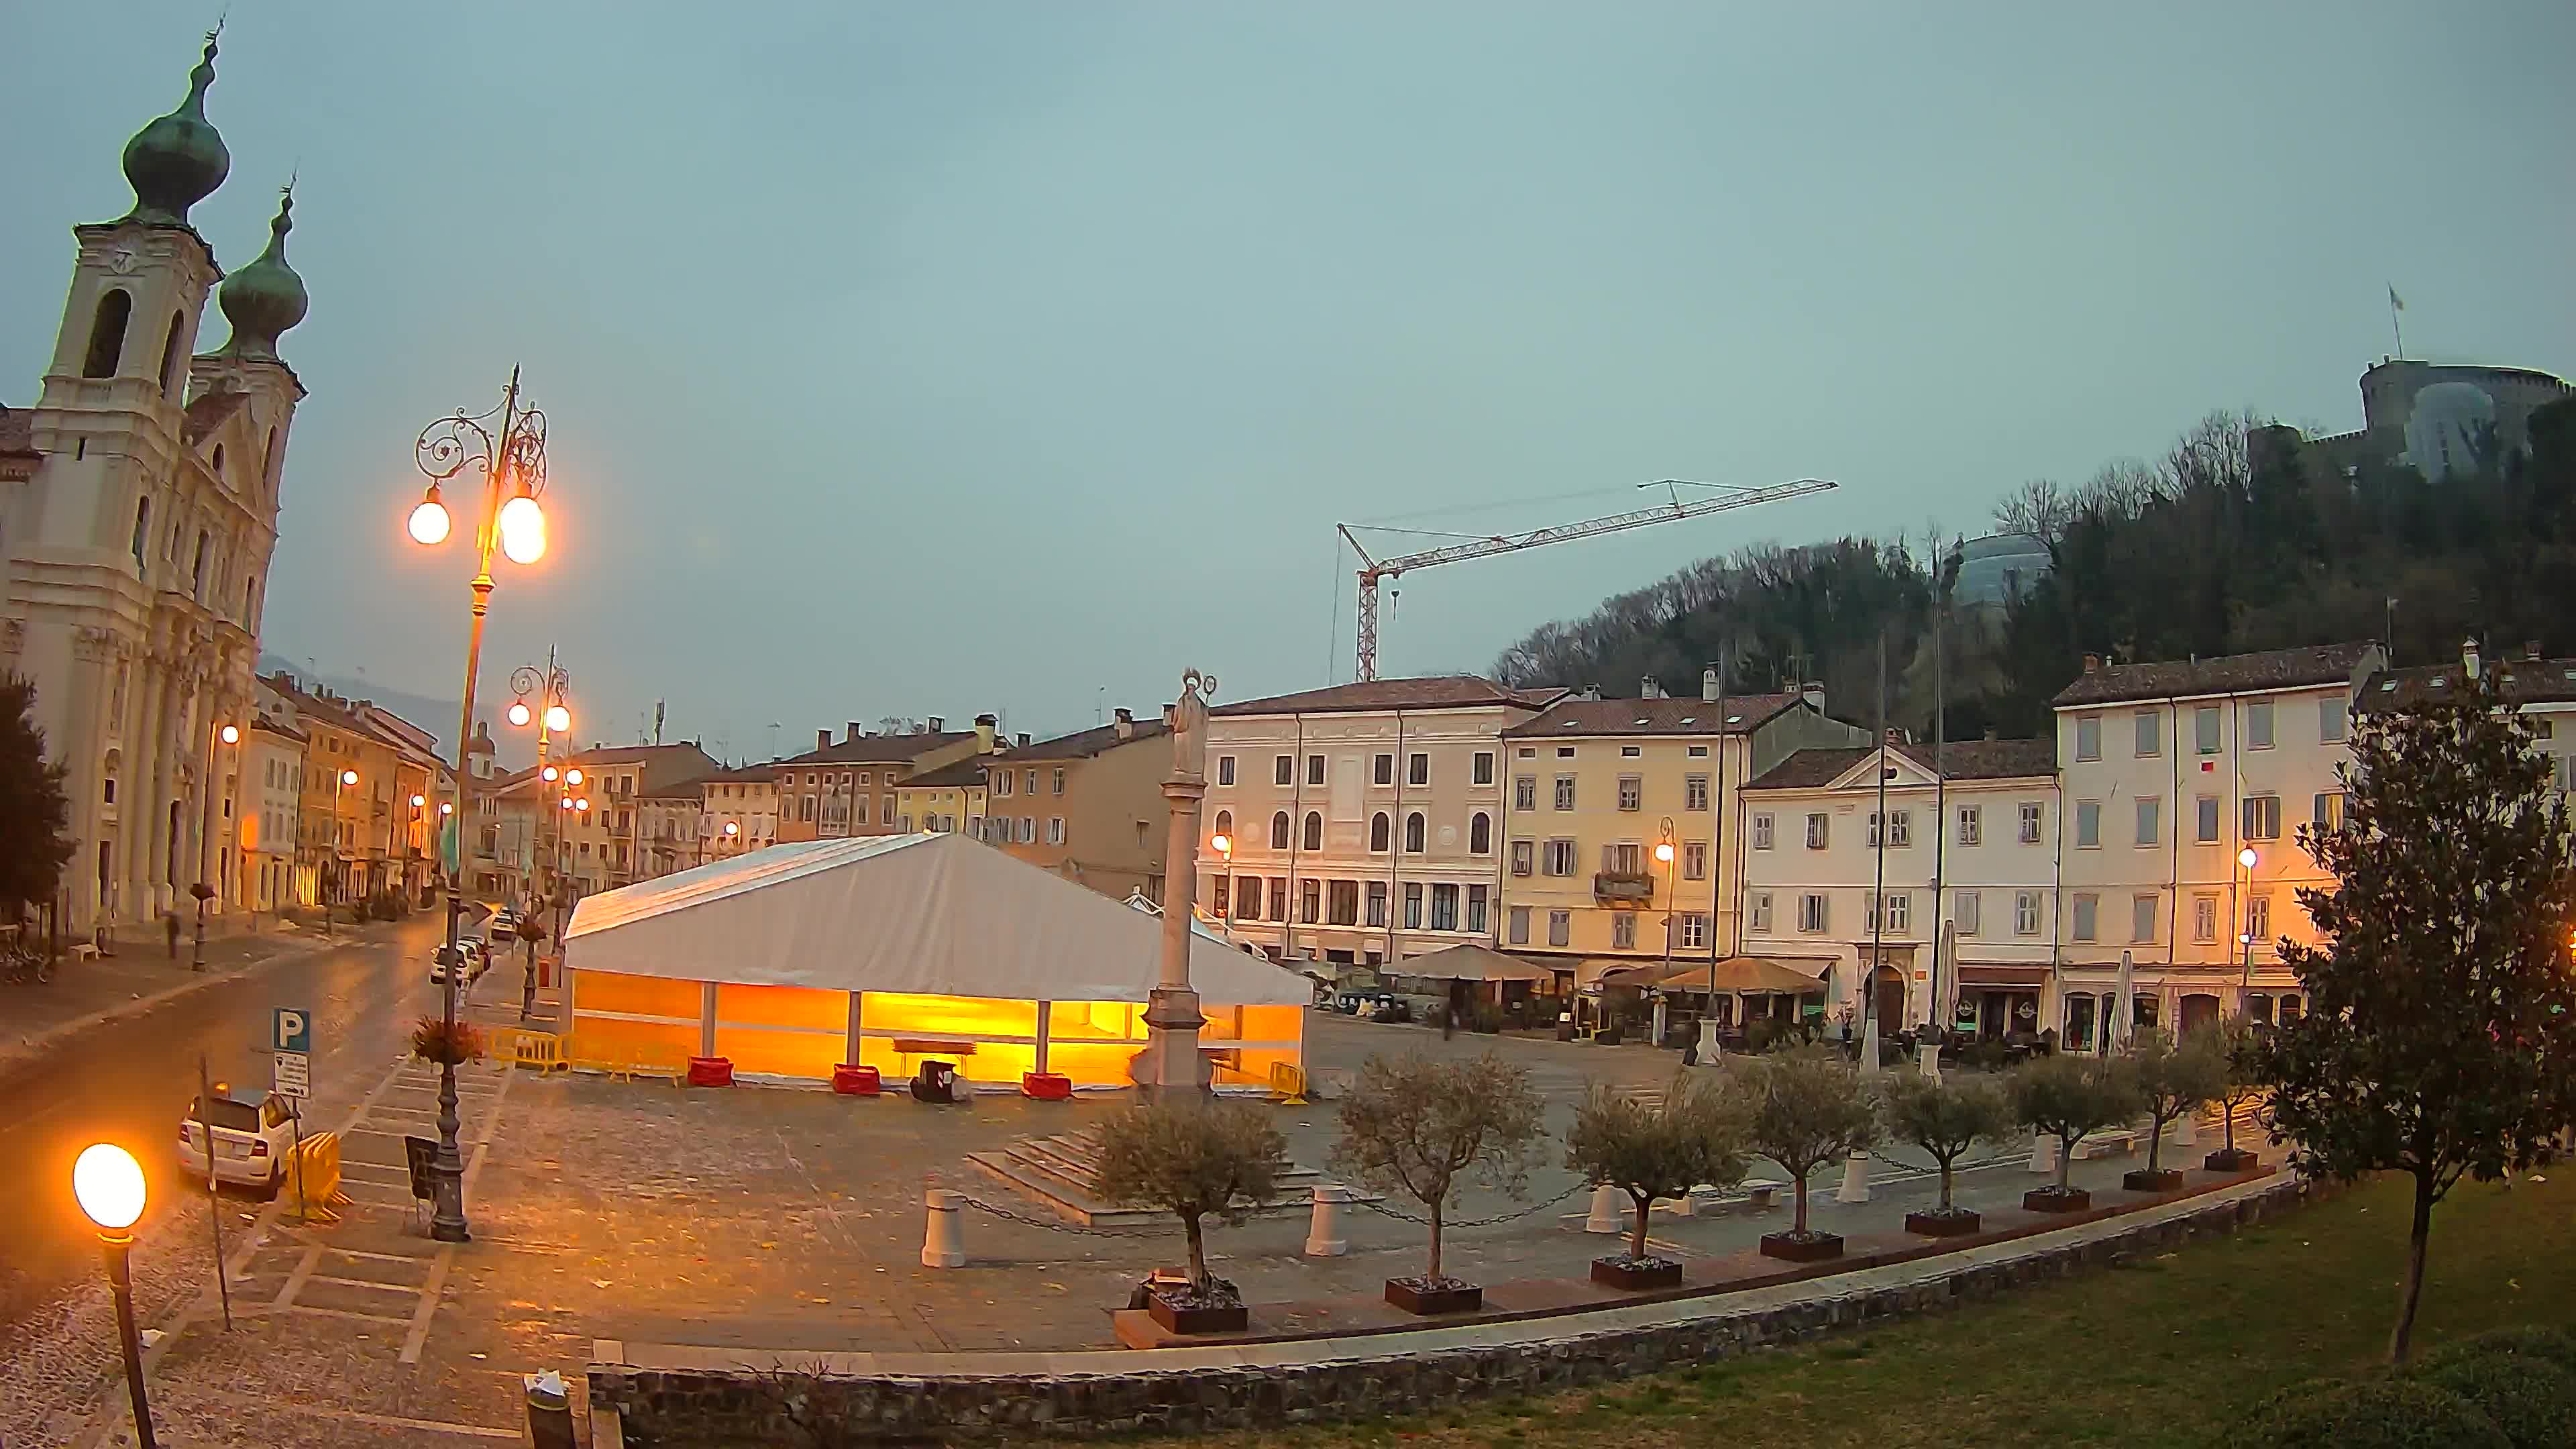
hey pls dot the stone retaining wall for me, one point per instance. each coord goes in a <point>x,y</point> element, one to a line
<point>707,1408</point>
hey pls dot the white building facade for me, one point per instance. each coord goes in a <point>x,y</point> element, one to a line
<point>270,801</point>
<point>1971,846</point>
<point>1354,813</point>
<point>138,511</point>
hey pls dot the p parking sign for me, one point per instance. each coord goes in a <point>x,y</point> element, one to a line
<point>291,1030</point>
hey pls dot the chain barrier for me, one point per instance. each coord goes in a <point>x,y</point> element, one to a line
<point>1418,1220</point>
<point>1054,1226</point>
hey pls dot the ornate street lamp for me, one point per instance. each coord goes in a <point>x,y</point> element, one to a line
<point>109,1184</point>
<point>508,446</point>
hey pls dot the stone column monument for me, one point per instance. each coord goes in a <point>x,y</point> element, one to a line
<point>1170,1064</point>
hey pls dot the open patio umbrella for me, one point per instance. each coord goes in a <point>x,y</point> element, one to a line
<point>2116,1030</point>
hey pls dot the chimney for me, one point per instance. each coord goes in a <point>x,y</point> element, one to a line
<point>822,739</point>
<point>2531,649</point>
<point>1814,694</point>
<point>2092,663</point>
<point>1992,734</point>
<point>1895,736</point>
<point>984,726</point>
<point>851,731</point>
<point>1590,692</point>
<point>1023,739</point>
<point>1124,723</point>
<point>938,724</point>
<point>1708,684</point>
<point>1649,689</point>
<point>2469,657</point>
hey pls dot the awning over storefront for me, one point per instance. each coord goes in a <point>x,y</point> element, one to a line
<point>1470,962</point>
<point>1994,975</point>
<point>1748,975</point>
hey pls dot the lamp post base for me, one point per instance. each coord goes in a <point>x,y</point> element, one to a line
<point>1171,1064</point>
<point>121,1286</point>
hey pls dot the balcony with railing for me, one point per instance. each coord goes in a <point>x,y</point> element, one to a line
<point>1623,885</point>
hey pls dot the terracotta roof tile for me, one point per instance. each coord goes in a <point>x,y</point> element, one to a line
<point>1652,716</point>
<point>1447,691</point>
<point>2526,681</point>
<point>962,774</point>
<point>877,749</point>
<point>1960,760</point>
<point>2224,674</point>
<point>1083,744</point>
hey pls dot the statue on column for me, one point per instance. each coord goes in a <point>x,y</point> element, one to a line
<point>1171,1062</point>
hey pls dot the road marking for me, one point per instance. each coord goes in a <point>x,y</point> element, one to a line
<point>295,1281</point>
<point>252,1409</point>
<point>364,1283</point>
<point>419,1335</point>
<point>346,1313</point>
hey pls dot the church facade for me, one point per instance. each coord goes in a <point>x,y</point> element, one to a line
<point>138,514</point>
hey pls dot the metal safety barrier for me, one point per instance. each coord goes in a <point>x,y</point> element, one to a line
<point>313,1178</point>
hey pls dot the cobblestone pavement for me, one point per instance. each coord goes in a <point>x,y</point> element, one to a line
<point>792,1220</point>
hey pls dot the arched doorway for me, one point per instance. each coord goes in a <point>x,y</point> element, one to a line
<point>2198,1011</point>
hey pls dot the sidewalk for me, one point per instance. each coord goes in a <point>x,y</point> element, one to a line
<point>143,975</point>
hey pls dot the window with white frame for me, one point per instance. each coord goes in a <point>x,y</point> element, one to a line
<point>1522,850</point>
<point>1477,897</point>
<point>1623,930</point>
<point>1899,906</point>
<point>2032,813</point>
<point>2025,913</point>
<point>2262,817</point>
<point>2204,918</point>
<point>2258,916</point>
<point>1819,830</point>
<point>2088,823</point>
<point>2205,731</point>
<point>1971,827</point>
<point>1225,769</point>
<point>2088,737</point>
<point>1055,830</point>
<point>1480,834</point>
<point>1694,931</point>
<point>1516,926</point>
<point>1417,770</point>
<point>1560,927</point>
<point>1762,831</point>
<point>1695,792</point>
<point>1382,769</point>
<point>1694,860</point>
<point>1525,792</point>
<point>1814,913</point>
<point>2258,724</point>
<point>2204,820</point>
<point>1376,903</point>
<point>1560,857</point>
<point>1444,907</point>
<point>2087,914</point>
<point>1413,905</point>
<point>1632,792</point>
<point>1484,768</point>
<point>2150,819</point>
<point>1283,771</point>
<point>2142,918</point>
<point>1965,907</point>
<point>2333,721</point>
<point>1565,792</point>
<point>2150,734</point>
<point>1757,905</point>
<point>1028,830</point>
<point>1314,769</point>
<point>2329,806</point>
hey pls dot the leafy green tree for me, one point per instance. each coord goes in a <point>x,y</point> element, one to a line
<point>1945,1117</point>
<point>2174,1077</point>
<point>1696,1134</point>
<point>2070,1097</point>
<point>1809,1109</point>
<point>35,840</point>
<point>1194,1159</point>
<point>2440,1037</point>
<point>1421,1127</point>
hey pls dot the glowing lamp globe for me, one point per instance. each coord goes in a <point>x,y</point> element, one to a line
<point>523,530</point>
<point>582,804</point>
<point>348,777</point>
<point>2246,857</point>
<point>429,522</point>
<point>109,1183</point>
<point>519,713</point>
<point>230,734</point>
<point>1664,852</point>
<point>417,802</point>
<point>1222,843</point>
<point>566,804</point>
<point>551,773</point>
<point>732,829</point>
<point>446,807</point>
<point>558,718</point>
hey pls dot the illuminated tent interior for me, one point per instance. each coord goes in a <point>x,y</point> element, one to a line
<point>890,950</point>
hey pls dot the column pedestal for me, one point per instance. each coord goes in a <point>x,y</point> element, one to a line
<point>1171,1064</point>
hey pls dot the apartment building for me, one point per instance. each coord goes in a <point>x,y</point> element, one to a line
<point>1089,805</point>
<point>270,799</point>
<point>1837,889</point>
<point>2173,775</point>
<point>948,800</point>
<point>740,810</point>
<point>2544,689</point>
<point>601,840</point>
<point>850,788</point>
<point>1366,818</point>
<point>1597,788</point>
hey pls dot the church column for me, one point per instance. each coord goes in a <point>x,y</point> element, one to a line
<point>136,792</point>
<point>83,752</point>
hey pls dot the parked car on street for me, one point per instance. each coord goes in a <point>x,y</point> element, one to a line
<point>251,1139</point>
<point>1374,1005</point>
<point>476,956</point>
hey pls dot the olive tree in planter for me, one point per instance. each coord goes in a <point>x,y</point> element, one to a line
<point>1945,1116</point>
<point>1194,1159</point>
<point>1650,1150</point>
<point>1809,1109</point>
<point>2239,1046</point>
<point>2173,1077</point>
<point>2070,1097</point>
<point>1423,1128</point>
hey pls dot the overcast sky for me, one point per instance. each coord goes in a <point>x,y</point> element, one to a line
<point>947,357</point>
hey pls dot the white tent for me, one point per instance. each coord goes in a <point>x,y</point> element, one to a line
<point>888,949</point>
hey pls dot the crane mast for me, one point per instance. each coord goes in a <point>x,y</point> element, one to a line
<point>1374,570</point>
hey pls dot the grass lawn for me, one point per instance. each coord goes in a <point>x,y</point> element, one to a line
<point>2162,1353</point>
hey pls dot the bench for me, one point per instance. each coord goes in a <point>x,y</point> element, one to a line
<point>83,950</point>
<point>1760,1193</point>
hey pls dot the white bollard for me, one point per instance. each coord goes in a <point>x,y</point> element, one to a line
<point>1855,1186</point>
<point>1609,1211</point>
<point>1928,1056</point>
<point>2186,1129</point>
<point>2043,1153</point>
<point>1324,1237</point>
<point>943,1243</point>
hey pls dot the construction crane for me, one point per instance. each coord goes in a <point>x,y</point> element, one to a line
<point>1375,570</point>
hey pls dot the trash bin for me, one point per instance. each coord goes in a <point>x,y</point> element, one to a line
<point>549,1410</point>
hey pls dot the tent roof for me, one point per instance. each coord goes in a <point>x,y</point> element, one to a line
<point>1735,973</point>
<point>1468,961</point>
<point>936,914</point>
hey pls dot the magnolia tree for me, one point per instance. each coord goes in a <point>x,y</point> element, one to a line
<point>1194,1159</point>
<point>1424,1127</point>
<point>1809,1109</point>
<point>2440,1037</point>
<point>2071,1097</point>
<point>1696,1135</point>
<point>2174,1077</point>
<point>1945,1116</point>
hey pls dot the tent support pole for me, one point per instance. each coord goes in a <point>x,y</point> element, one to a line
<point>706,1018</point>
<point>850,1042</point>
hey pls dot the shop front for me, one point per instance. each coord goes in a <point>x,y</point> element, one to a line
<point>1998,1000</point>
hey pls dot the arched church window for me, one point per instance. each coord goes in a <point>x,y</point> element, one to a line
<point>142,523</point>
<point>107,334</point>
<point>1279,831</point>
<point>219,462</point>
<point>1314,830</point>
<point>197,571</point>
<point>170,355</point>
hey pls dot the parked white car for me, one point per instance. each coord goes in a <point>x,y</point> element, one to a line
<point>477,957</point>
<point>251,1140</point>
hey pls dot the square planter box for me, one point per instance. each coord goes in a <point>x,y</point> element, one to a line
<point>1404,1293</point>
<point>2163,1179</point>
<point>1211,1318</point>
<point>2050,1200</point>
<point>710,1071</point>
<point>856,1081</point>
<point>2239,1160</point>
<point>1813,1248</point>
<point>1942,1225</point>
<point>1045,1086</point>
<point>1637,1277</point>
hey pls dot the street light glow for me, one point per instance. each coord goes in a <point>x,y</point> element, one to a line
<point>573,775</point>
<point>429,521</point>
<point>566,803</point>
<point>2246,857</point>
<point>1664,851</point>
<point>732,829</point>
<point>348,777</point>
<point>446,807</point>
<point>109,1183</point>
<point>582,804</point>
<point>523,530</point>
<point>519,713</point>
<point>558,718</point>
<point>229,734</point>
<point>552,774</point>
<point>1222,843</point>
<point>417,802</point>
